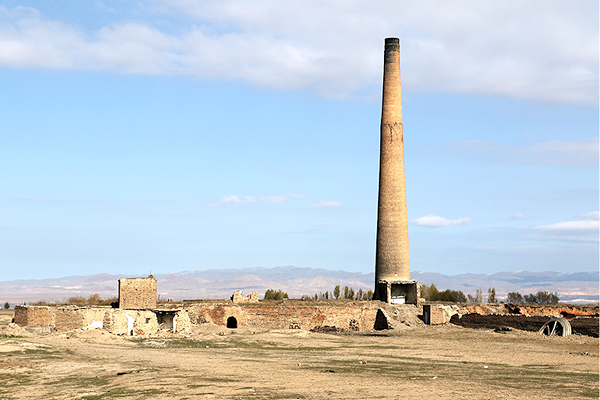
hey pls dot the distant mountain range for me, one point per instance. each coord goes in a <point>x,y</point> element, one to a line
<point>577,287</point>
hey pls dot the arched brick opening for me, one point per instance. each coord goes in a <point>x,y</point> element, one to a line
<point>232,323</point>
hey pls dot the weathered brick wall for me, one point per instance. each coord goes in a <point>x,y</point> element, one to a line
<point>69,318</point>
<point>145,322</point>
<point>238,297</point>
<point>137,292</point>
<point>94,314</point>
<point>34,315</point>
<point>359,316</point>
<point>115,321</point>
<point>434,314</point>
<point>181,322</point>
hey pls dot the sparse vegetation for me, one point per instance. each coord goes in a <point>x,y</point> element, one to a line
<point>6,306</point>
<point>348,294</point>
<point>336,292</point>
<point>478,297</point>
<point>271,294</point>
<point>514,297</point>
<point>537,298</point>
<point>92,300</point>
<point>492,295</point>
<point>431,293</point>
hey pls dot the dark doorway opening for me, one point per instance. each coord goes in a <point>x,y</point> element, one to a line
<point>232,323</point>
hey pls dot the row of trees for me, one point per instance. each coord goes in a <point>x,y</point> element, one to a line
<point>538,298</point>
<point>346,293</point>
<point>271,294</point>
<point>431,293</point>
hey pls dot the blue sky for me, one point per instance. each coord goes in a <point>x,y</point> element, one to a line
<point>176,135</point>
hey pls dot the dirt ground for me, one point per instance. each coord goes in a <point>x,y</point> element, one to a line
<point>423,362</point>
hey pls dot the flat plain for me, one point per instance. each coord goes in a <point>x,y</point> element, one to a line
<point>423,362</point>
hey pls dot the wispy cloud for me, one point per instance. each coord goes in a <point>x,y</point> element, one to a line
<point>235,199</point>
<point>583,151</point>
<point>518,216</point>
<point>571,226</point>
<point>302,46</point>
<point>573,231</point>
<point>326,204</point>
<point>595,215</point>
<point>436,221</point>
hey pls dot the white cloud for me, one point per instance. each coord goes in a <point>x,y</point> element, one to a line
<point>571,226</point>
<point>274,199</point>
<point>541,51</point>
<point>573,231</point>
<point>234,199</point>
<point>595,215</point>
<point>435,221</point>
<point>583,151</point>
<point>518,216</point>
<point>326,204</point>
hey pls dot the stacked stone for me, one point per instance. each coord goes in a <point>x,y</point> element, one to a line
<point>137,292</point>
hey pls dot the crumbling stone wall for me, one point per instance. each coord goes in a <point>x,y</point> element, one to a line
<point>115,321</point>
<point>181,322</point>
<point>238,297</point>
<point>145,322</point>
<point>94,315</point>
<point>137,292</point>
<point>34,316</point>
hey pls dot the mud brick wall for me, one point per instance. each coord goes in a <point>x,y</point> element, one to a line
<point>137,292</point>
<point>94,314</point>
<point>145,323</point>
<point>181,322</point>
<point>115,321</point>
<point>34,315</point>
<point>436,313</point>
<point>68,319</point>
<point>357,316</point>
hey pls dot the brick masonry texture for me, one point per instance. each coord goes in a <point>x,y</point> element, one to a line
<point>137,292</point>
<point>34,315</point>
<point>392,257</point>
<point>358,316</point>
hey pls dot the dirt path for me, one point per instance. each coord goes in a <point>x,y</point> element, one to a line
<point>443,362</point>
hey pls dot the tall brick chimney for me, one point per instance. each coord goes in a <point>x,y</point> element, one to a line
<point>392,263</point>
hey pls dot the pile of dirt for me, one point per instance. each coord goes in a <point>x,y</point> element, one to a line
<point>585,326</point>
<point>493,321</point>
<point>13,330</point>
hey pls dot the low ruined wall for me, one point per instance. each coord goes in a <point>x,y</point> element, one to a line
<point>116,322</point>
<point>145,322</point>
<point>68,319</point>
<point>92,316</point>
<point>357,316</point>
<point>34,316</point>
<point>181,322</point>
